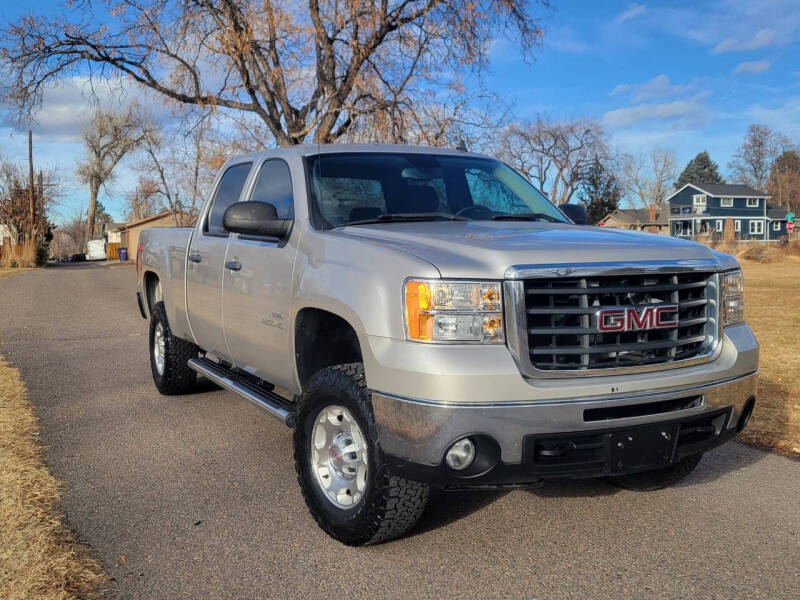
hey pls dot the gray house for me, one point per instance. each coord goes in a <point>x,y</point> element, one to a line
<point>703,210</point>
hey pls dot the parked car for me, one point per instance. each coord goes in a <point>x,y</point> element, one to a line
<point>437,322</point>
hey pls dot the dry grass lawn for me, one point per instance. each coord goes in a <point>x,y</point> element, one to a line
<point>772,306</point>
<point>39,559</point>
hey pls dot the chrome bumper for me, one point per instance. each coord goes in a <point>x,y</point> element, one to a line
<point>421,431</point>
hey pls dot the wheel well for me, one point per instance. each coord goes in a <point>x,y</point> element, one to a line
<point>152,290</point>
<point>323,339</point>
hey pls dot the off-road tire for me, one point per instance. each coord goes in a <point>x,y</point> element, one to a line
<point>648,481</point>
<point>391,505</point>
<point>177,377</point>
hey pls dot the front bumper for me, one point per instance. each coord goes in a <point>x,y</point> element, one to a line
<point>415,434</point>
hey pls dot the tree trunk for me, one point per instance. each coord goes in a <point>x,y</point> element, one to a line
<point>93,189</point>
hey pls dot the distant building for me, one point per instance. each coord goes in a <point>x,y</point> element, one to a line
<point>704,210</point>
<point>8,235</point>
<point>651,219</point>
<point>129,233</point>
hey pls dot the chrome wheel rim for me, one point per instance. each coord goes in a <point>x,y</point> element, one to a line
<point>159,350</point>
<point>338,456</point>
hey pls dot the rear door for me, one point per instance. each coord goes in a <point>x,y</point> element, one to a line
<point>205,263</point>
<point>257,286</point>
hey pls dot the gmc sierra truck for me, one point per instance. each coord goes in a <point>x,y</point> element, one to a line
<point>426,317</point>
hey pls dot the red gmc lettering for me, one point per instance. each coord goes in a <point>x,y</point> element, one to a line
<point>637,321</point>
<point>611,319</point>
<point>666,316</point>
<point>634,318</point>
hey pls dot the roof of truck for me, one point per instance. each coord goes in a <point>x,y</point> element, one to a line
<point>311,149</point>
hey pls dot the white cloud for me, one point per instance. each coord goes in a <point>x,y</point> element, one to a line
<point>784,118</point>
<point>681,114</point>
<point>565,40</point>
<point>763,37</point>
<point>631,12</point>
<point>657,87</point>
<point>731,25</point>
<point>69,106</point>
<point>752,66</point>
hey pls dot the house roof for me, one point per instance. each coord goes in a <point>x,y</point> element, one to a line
<point>776,213</point>
<point>112,226</point>
<point>639,215</point>
<point>729,190</point>
<point>161,215</point>
<point>732,189</point>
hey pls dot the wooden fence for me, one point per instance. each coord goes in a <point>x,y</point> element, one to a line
<point>111,250</point>
<point>9,251</point>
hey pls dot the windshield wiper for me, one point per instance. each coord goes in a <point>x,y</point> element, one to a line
<point>405,217</point>
<point>527,217</point>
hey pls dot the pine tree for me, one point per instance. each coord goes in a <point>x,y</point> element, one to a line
<point>701,169</point>
<point>600,192</point>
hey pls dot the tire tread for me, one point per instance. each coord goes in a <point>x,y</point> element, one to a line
<point>397,503</point>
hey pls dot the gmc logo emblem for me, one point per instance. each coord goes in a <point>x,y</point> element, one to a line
<point>637,318</point>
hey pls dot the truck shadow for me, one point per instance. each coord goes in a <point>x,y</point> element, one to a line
<point>446,507</point>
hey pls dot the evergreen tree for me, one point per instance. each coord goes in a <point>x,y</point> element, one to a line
<point>701,169</point>
<point>600,192</point>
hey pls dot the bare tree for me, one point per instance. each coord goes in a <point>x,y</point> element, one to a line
<point>108,138</point>
<point>144,200</point>
<point>647,178</point>
<point>317,68</point>
<point>752,162</point>
<point>15,200</point>
<point>555,155</point>
<point>784,180</point>
<point>177,164</point>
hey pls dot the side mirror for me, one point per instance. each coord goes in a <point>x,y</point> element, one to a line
<point>255,218</point>
<point>576,212</point>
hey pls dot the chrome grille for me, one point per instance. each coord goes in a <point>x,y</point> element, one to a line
<point>562,330</point>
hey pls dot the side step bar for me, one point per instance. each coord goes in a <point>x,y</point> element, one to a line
<point>268,401</point>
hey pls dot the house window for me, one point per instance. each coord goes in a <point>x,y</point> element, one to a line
<point>756,227</point>
<point>679,228</point>
<point>752,203</point>
<point>719,225</point>
<point>726,202</point>
<point>699,203</point>
<point>737,225</point>
<point>776,226</point>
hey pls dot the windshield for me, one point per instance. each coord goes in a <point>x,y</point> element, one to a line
<point>383,187</point>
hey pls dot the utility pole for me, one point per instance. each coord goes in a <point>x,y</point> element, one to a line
<point>31,195</point>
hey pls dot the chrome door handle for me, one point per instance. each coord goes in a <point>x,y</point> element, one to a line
<point>233,265</point>
<point>195,258</point>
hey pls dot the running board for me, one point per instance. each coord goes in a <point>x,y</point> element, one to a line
<point>268,401</point>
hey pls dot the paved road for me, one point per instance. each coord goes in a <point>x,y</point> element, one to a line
<point>198,493</point>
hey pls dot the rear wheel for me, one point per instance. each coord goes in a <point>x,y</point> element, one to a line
<point>169,356</point>
<point>340,463</point>
<point>658,479</point>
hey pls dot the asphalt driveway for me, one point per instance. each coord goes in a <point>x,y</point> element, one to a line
<point>196,497</point>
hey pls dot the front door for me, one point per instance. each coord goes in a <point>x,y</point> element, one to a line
<point>206,258</point>
<point>257,287</point>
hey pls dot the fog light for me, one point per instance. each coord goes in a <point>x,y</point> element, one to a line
<point>460,455</point>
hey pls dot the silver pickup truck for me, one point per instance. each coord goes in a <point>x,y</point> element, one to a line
<point>425,317</point>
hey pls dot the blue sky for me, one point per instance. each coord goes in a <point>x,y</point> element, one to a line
<point>686,75</point>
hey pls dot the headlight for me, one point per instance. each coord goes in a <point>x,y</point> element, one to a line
<point>732,291</point>
<point>454,311</point>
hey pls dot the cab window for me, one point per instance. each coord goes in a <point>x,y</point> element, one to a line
<point>228,192</point>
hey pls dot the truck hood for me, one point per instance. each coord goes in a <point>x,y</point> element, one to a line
<point>485,249</point>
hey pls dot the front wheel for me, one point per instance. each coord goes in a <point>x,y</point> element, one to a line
<point>340,464</point>
<point>660,478</point>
